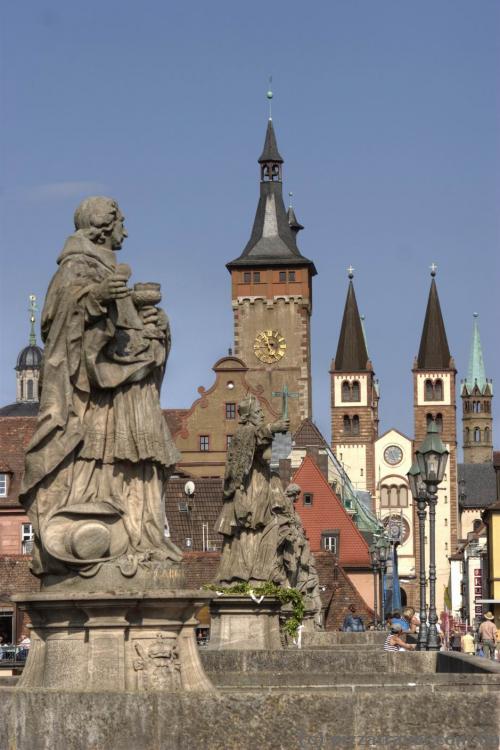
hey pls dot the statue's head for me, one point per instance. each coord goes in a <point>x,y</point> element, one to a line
<point>101,220</point>
<point>250,411</point>
<point>293,492</point>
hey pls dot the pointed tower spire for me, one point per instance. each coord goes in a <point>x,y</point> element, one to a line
<point>434,352</point>
<point>352,355</point>
<point>476,374</point>
<point>273,238</point>
<point>293,222</point>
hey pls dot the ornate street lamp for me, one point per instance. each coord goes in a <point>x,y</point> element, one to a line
<point>419,493</point>
<point>375,567</point>
<point>383,546</point>
<point>432,457</point>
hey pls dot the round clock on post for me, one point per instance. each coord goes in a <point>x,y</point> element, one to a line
<point>269,346</point>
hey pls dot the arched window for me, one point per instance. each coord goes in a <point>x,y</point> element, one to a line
<point>467,435</point>
<point>477,435</point>
<point>22,390</point>
<point>429,390</point>
<point>477,407</point>
<point>486,435</point>
<point>394,496</point>
<point>384,496</point>
<point>403,496</point>
<point>355,391</point>
<point>355,425</point>
<point>428,419</point>
<point>30,390</point>
<point>346,391</point>
<point>438,390</point>
<point>347,425</point>
<point>439,422</point>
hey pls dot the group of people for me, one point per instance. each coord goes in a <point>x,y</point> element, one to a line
<point>403,630</point>
<point>18,652</point>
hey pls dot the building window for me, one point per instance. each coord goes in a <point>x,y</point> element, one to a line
<point>4,485</point>
<point>230,410</point>
<point>347,425</point>
<point>394,496</point>
<point>30,390</point>
<point>247,277</point>
<point>438,390</point>
<point>486,435</point>
<point>256,277</point>
<point>27,537</point>
<point>361,472</point>
<point>228,441</point>
<point>429,391</point>
<point>282,276</point>
<point>439,422</point>
<point>355,425</point>
<point>346,391</point>
<point>477,435</point>
<point>429,420</point>
<point>355,391</point>
<point>467,434</point>
<point>291,275</point>
<point>204,443</point>
<point>308,498</point>
<point>330,541</point>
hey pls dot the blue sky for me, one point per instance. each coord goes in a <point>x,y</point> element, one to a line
<point>387,115</point>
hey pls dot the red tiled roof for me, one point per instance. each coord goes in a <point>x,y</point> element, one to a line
<point>328,514</point>
<point>307,434</point>
<point>174,419</point>
<point>15,434</point>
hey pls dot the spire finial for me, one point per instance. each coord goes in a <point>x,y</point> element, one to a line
<point>434,269</point>
<point>32,310</point>
<point>290,195</point>
<point>475,315</point>
<point>350,271</point>
<point>270,96</point>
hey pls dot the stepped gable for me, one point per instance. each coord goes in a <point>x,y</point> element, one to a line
<point>327,514</point>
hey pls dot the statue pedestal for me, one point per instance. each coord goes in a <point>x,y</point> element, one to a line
<point>240,623</point>
<point>139,641</point>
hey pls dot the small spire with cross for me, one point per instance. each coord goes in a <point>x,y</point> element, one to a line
<point>350,271</point>
<point>270,97</point>
<point>32,310</point>
<point>434,269</point>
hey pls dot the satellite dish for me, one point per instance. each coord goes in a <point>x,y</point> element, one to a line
<point>189,488</point>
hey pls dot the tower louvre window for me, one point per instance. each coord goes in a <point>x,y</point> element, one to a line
<point>30,394</point>
<point>477,435</point>
<point>346,391</point>
<point>486,435</point>
<point>355,425</point>
<point>429,390</point>
<point>439,422</point>
<point>347,425</point>
<point>438,390</point>
<point>355,391</point>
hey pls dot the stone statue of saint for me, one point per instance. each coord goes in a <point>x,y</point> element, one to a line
<point>248,519</point>
<point>102,452</point>
<point>295,553</point>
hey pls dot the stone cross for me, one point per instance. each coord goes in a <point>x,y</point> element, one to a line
<point>285,395</point>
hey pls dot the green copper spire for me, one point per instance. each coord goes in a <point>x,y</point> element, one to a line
<point>32,310</point>
<point>476,373</point>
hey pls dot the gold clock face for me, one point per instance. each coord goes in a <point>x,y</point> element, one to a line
<point>269,346</point>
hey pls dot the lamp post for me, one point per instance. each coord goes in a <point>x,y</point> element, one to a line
<point>382,550</point>
<point>375,567</point>
<point>432,457</point>
<point>419,493</point>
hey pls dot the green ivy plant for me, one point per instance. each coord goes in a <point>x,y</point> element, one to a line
<point>286,596</point>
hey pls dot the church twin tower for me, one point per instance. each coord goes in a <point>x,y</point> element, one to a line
<point>272,305</point>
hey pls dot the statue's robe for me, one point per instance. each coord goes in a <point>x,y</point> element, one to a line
<point>101,434</point>
<point>247,521</point>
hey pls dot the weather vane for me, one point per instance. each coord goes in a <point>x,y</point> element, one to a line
<point>350,272</point>
<point>32,310</point>
<point>433,268</point>
<point>270,96</point>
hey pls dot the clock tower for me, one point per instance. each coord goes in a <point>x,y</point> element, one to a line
<point>271,284</point>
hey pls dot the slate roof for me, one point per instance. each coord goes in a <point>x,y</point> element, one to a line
<point>204,508</point>
<point>270,151</point>
<point>293,222</point>
<point>480,488</point>
<point>352,355</point>
<point>272,242</point>
<point>20,409</point>
<point>434,352</point>
<point>328,513</point>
